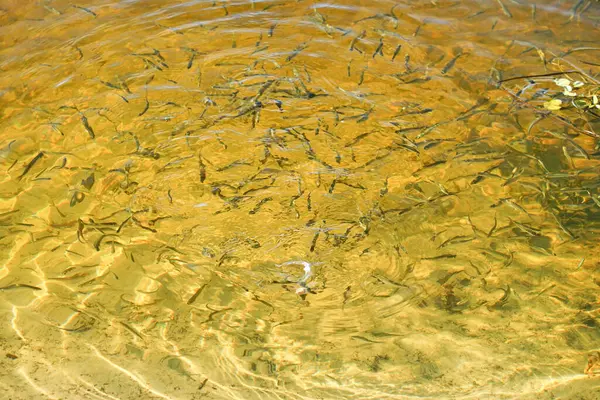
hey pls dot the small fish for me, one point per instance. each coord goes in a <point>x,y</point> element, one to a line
<point>296,51</point>
<point>7,149</point>
<point>132,330</point>
<point>202,169</point>
<point>353,186</point>
<point>87,10</point>
<point>379,49</point>
<point>191,60</point>
<point>358,138</point>
<point>396,52</point>
<point>451,63</point>
<point>314,241</point>
<point>490,233</point>
<point>418,29</point>
<point>456,239</point>
<point>476,14</point>
<point>31,164</point>
<point>196,294</point>
<point>347,294</point>
<point>504,299</point>
<point>110,85</point>
<point>259,205</point>
<point>87,126</point>
<point>332,186</point>
<point>364,339</point>
<point>355,40</point>
<point>19,285</point>
<point>150,64</point>
<point>383,191</point>
<point>146,107</point>
<point>440,257</point>
<point>259,49</point>
<point>504,9</point>
<point>362,76</point>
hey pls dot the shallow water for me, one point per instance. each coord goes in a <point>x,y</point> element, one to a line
<point>166,163</point>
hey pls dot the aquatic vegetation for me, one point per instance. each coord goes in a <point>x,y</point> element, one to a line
<point>581,96</point>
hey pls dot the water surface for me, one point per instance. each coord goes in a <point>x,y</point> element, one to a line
<point>165,163</point>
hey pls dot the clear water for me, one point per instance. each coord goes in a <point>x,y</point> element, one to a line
<point>298,200</point>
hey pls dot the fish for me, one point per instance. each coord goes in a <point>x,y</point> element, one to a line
<point>87,126</point>
<point>314,241</point>
<point>31,164</point>
<point>418,29</point>
<point>202,384</point>
<point>259,205</point>
<point>110,85</point>
<point>260,49</point>
<point>332,186</point>
<point>352,185</point>
<point>346,296</point>
<point>383,191</point>
<point>202,169</point>
<point>358,139</point>
<point>379,49</point>
<point>296,51</point>
<point>191,60</point>
<point>504,9</point>
<point>20,285</point>
<point>456,239</point>
<point>451,63</point>
<point>491,231</point>
<point>196,294</point>
<point>356,39</point>
<point>87,10</point>
<point>364,339</point>
<point>439,257</point>
<point>146,107</point>
<point>132,330</point>
<point>396,52</point>
<point>575,8</point>
<point>362,76</point>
